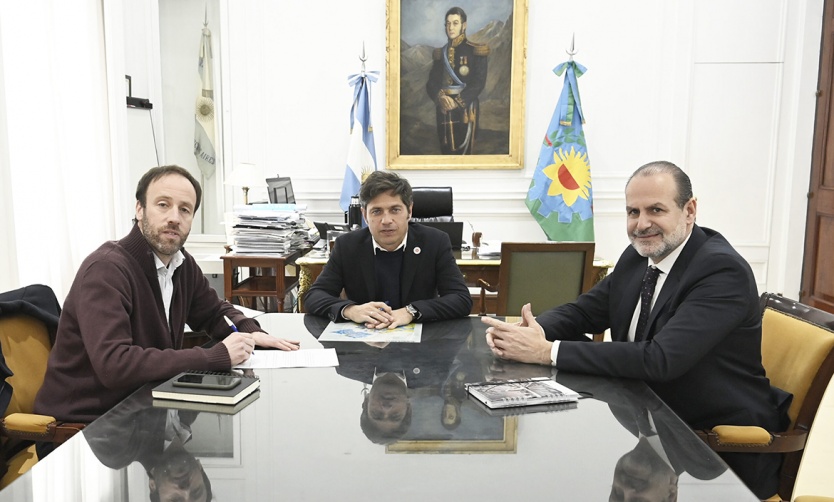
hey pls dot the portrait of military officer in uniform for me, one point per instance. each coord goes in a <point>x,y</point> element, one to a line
<point>457,77</point>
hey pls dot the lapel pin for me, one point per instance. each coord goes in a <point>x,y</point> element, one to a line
<point>417,250</point>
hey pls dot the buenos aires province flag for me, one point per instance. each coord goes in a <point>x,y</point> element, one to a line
<point>560,197</point>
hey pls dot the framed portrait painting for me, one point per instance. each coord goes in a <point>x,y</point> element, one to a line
<point>455,84</point>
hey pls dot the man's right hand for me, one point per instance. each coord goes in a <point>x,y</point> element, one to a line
<point>240,347</point>
<point>370,314</point>
<point>447,103</point>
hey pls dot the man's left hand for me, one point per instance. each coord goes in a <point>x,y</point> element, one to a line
<point>401,317</point>
<point>523,342</point>
<point>273,342</point>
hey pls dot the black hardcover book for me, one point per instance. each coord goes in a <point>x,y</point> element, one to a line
<point>205,394</point>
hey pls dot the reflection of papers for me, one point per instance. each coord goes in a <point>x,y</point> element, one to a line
<point>352,332</point>
<point>307,358</point>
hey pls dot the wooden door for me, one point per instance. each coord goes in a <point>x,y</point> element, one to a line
<point>818,265</point>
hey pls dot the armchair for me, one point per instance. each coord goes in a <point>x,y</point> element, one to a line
<point>798,356</point>
<point>28,321</point>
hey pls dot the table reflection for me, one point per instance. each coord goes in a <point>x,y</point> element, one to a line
<point>157,438</point>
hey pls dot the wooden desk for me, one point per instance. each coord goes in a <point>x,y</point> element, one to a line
<point>285,442</point>
<point>472,267</point>
<point>267,278</point>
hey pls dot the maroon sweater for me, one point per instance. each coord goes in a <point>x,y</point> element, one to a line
<point>113,336</point>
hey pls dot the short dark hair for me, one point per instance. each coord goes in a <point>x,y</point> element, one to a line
<point>458,11</point>
<point>377,436</point>
<point>160,171</point>
<point>379,182</point>
<point>682,181</point>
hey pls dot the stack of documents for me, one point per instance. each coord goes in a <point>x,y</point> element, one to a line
<point>269,228</point>
<point>490,250</point>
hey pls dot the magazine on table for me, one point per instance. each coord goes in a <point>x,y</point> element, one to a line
<point>527,392</point>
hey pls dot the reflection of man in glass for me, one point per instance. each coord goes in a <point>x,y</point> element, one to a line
<point>178,477</point>
<point>155,437</point>
<point>457,77</point>
<point>386,410</point>
<point>642,474</point>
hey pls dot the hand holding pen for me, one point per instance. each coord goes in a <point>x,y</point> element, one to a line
<point>239,345</point>
<point>265,340</point>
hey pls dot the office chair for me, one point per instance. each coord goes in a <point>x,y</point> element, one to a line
<point>432,204</point>
<point>544,274</point>
<point>798,356</point>
<point>28,322</point>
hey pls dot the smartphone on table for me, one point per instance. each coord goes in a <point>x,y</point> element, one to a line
<point>198,380</point>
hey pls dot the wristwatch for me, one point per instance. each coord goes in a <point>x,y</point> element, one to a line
<point>413,311</point>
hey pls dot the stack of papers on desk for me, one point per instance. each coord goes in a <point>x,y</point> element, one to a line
<point>269,228</point>
<point>490,250</point>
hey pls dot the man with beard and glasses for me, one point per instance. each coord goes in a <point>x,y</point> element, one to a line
<point>697,343</point>
<point>124,318</point>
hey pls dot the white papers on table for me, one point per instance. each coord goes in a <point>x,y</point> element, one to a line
<point>352,332</point>
<point>306,358</point>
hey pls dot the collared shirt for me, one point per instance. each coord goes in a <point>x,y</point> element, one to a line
<point>378,247</point>
<point>165,275</point>
<point>665,265</point>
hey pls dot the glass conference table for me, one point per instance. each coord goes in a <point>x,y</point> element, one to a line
<point>307,437</point>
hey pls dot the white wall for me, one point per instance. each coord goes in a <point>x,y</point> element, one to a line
<point>729,97</point>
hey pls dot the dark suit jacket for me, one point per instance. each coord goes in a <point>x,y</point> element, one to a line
<point>430,279</point>
<point>702,354</point>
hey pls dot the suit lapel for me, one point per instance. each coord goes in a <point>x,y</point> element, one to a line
<point>411,260</point>
<point>672,282</point>
<point>628,296</point>
<point>366,266</point>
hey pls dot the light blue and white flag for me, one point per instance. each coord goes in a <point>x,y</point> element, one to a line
<point>361,159</point>
<point>560,197</point>
<point>204,109</point>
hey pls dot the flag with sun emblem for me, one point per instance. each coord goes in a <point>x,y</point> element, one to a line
<point>560,195</point>
<point>361,159</point>
<point>204,109</point>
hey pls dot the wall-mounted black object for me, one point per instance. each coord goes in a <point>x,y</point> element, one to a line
<point>136,102</point>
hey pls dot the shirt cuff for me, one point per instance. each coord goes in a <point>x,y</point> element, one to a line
<point>554,352</point>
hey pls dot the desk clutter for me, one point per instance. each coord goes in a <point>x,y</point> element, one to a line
<point>269,228</point>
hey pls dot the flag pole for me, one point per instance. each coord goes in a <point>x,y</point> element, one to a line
<point>571,52</point>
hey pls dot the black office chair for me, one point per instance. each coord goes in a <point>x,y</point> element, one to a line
<point>432,204</point>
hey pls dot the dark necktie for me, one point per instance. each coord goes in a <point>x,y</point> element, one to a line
<point>646,294</point>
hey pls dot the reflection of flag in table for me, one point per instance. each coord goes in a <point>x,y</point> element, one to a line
<point>204,109</point>
<point>560,196</point>
<point>361,159</point>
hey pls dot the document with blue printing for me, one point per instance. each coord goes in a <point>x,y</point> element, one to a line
<point>353,332</point>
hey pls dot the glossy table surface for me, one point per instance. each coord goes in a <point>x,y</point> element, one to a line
<point>305,437</point>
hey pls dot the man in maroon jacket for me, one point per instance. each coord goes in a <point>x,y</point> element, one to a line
<point>124,317</point>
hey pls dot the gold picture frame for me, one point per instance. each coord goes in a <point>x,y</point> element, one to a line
<point>413,141</point>
<point>507,444</point>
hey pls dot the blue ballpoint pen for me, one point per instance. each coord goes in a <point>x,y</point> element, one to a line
<point>230,323</point>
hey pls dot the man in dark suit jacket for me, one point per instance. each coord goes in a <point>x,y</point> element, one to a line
<point>392,272</point>
<point>700,350</point>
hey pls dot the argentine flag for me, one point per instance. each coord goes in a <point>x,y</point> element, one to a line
<point>361,158</point>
